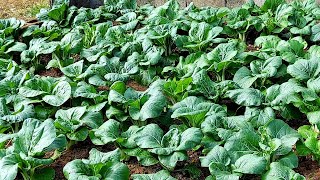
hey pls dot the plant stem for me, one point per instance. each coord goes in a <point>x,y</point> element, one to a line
<point>32,173</point>
<point>223,74</point>
<point>70,143</point>
<point>218,77</point>
<point>139,123</point>
<point>56,155</point>
<point>25,175</point>
<point>263,81</point>
<point>242,36</point>
<point>16,127</point>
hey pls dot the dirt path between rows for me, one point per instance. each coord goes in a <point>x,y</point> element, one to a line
<point>21,9</point>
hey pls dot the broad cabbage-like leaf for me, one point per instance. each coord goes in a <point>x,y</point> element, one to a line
<point>73,70</point>
<point>75,122</point>
<point>246,97</point>
<point>117,71</point>
<point>99,165</point>
<point>315,33</point>
<point>37,47</point>
<point>195,109</point>
<point>251,164</point>
<point>140,105</point>
<point>222,56</point>
<point>258,69</point>
<point>59,95</point>
<point>29,146</point>
<point>305,69</point>
<point>169,147</point>
<point>279,171</point>
<point>278,129</point>
<point>19,113</point>
<point>200,36</point>
<point>161,175</point>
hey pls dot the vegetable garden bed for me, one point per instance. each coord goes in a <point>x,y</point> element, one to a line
<point>147,92</point>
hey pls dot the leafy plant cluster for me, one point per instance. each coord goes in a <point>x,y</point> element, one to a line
<point>220,81</point>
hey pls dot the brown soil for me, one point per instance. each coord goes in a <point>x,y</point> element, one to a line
<point>136,168</point>
<point>103,88</point>
<point>136,86</point>
<point>194,160</point>
<point>251,48</point>
<point>296,123</point>
<point>78,151</point>
<point>76,57</point>
<point>194,157</point>
<point>115,23</point>
<point>309,168</point>
<point>31,22</point>
<point>53,72</point>
<point>45,58</point>
<point>179,173</point>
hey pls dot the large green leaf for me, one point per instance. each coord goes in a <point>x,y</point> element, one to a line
<point>246,97</point>
<point>149,137</point>
<point>106,133</point>
<point>200,35</point>
<point>161,175</point>
<point>189,139</point>
<point>74,113</point>
<point>278,129</point>
<point>246,141</point>
<point>98,166</point>
<point>75,122</point>
<point>9,167</point>
<point>34,137</point>
<point>278,171</point>
<point>313,118</point>
<point>315,33</point>
<point>171,160</point>
<point>73,70</point>
<point>251,164</point>
<point>305,69</point>
<point>153,107</point>
<point>244,77</point>
<point>35,87</point>
<point>192,108</point>
<point>222,56</point>
<point>218,155</point>
<point>60,94</point>
<point>271,4</point>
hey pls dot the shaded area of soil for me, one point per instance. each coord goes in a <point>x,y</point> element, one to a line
<point>251,47</point>
<point>194,160</point>
<point>53,72</point>
<point>296,123</point>
<point>81,151</point>
<point>134,85</point>
<point>136,168</point>
<point>309,168</point>
<point>78,151</point>
<point>103,88</point>
<point>181,171</point>
<point>45,58</point>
